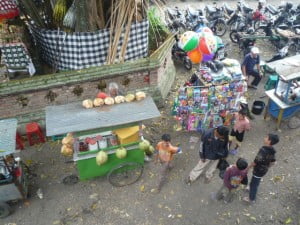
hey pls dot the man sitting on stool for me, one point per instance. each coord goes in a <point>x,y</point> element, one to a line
<point>250,60</point>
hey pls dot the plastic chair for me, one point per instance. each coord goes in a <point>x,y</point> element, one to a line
<point>19,141</point>
<point>34,129</point>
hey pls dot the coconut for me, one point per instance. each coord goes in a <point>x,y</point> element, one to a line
<point>129,98</point>
<point>119,99</point>
<point>144,145</point>
<point>101,158</point>
<point>109,101</point>
<point>98,102</point>
<point>66,150</point>
<point>121,153</point>
<point>150,150</point>
<point>88,103</point>
<point>140,95</point>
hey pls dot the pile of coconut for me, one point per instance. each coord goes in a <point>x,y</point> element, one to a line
<point>103,99</point>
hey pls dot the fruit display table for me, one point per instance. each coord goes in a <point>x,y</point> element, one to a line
<point>96,126</point>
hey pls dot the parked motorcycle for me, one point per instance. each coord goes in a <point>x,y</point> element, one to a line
<point>282,53</point>
<point>194,18</point>
<point>180,55</point>
<point>175,19</point>
<point>216,21</point>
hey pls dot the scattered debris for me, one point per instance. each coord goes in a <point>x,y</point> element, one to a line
<point>40,193</point>
<point>288,221</point>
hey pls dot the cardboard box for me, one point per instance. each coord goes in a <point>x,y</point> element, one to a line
<point>128,135</point>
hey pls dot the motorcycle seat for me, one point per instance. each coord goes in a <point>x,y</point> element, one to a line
<point>192,11</point>
<point>247,9</point>
<point>228,9</point>
<point>272,9</point>
<point>210,9</point>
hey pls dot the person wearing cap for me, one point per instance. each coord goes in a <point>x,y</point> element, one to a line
<point>248,67</point>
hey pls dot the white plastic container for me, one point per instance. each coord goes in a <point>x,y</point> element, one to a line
<point>94,146</point>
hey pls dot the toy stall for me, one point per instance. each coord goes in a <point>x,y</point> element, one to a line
<point>284,100</point>
<point>103,140</point>
<point>211,97</point>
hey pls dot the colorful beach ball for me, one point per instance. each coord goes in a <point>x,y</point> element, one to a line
<point>189,41</point>
<point>211,42</point>
<point>195,56</point>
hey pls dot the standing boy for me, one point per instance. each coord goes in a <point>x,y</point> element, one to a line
<point>232,179</point>
<point>165,156</point>
<point>213,146</point>
<point>262,162</point>
<point>241,125</point>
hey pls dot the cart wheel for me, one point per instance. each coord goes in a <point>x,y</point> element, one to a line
<point>125,174</point>
<point>5,209</point>
<point>71,179</point>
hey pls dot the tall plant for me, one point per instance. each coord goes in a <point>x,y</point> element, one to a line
<point>157,31</point>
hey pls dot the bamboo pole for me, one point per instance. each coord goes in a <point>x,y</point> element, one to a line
<point>101,20</point>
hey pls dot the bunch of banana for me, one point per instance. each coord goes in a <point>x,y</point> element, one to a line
<point>59,11</point>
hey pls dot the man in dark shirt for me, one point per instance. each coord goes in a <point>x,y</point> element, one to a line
<point>263,160</point>
<point>250,61</point>
<point>214,146</point>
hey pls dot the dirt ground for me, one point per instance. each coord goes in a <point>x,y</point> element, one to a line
<point>97,202</point>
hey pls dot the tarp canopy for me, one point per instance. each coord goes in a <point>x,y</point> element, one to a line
<point>74,118</point>
<point>8,129</point>
<point>287,68</point>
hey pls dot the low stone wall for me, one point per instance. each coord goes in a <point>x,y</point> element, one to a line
<point>26,99</point>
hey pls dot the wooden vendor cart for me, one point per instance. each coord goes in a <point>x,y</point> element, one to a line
<point>105,128</point>
<point>282,102</point>
<point>13,176</point>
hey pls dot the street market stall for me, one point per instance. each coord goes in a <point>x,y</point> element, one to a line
<point>284,100</point>
<point>104,130</point>
<point>212,101</point>
<point>13,178</point>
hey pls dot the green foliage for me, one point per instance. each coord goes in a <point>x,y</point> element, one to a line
<point>157,30</point>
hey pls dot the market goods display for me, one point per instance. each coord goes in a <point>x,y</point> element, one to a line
<point>88,104</point>
<point>101,158</point>
<point>197,108</point>
<point>109,101</point>
<point>121,153</point>
<point>140,95</point>
<point>98,102</point>
<point>119,99</point>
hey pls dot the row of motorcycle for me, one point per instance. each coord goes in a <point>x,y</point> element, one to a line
<point>263,21</point>
<point>242,18</point>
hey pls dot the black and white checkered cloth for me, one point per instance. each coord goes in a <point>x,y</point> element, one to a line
<point>71,51</point>
<point>6,6</point>
<point>15,56</point>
